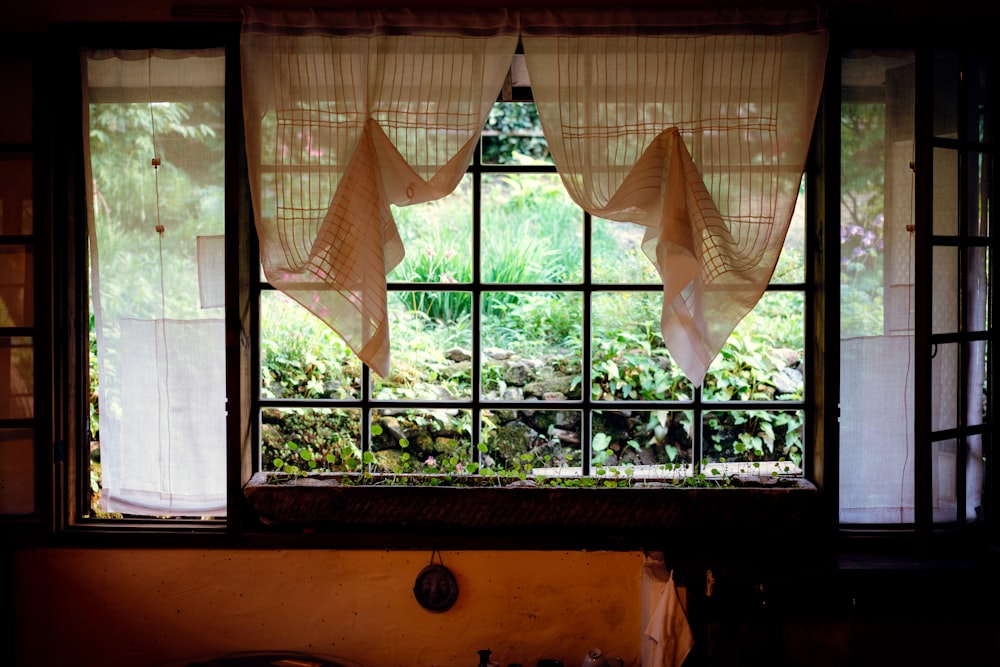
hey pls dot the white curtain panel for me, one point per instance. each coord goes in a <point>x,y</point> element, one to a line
<point>161,347</point>
<point>347,112</point>
<point>695,125</point>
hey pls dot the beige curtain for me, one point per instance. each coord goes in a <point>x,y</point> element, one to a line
<point>346,113</point>
<point>695,125</point>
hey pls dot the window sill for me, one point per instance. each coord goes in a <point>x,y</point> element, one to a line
<point>639,515</point>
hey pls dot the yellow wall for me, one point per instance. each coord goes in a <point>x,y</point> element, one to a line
<point>117,607</point>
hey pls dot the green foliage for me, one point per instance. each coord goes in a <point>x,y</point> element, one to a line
<point>301,357</point>
<point>297,440</point>
<point>513,133</point>
<point>862,204</point>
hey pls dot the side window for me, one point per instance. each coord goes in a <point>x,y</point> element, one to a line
<point>915,428</point>
<point>20,415</point>
<point>155,162</point>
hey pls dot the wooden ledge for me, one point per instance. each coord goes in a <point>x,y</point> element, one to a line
<point>338,502</point>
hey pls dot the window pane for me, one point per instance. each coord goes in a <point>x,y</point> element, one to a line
<point>437,236</point>
<point>17,377</point>
<point>617,253</point>
<point>763,358</point>
<point>513,136</point>
<point>16,280</point>
<point>629,359</point>
<point>430,347</point>
<point>876,288</point>
<point>16,113</point>
<point>945,374</point>
<point>791,266</point>
<point>979,209</point>
<point>15,196</point>
<point>157,160</point>
<point>17,471</point>
<point>422,440</point>
<point>531,343</point>
<point>943,479</point>
<point>653,443</point>
<point>300,356</point>
<point>977,288</point>
<point>945,192</point>
<point>945,303</point>
<point>310,440</point>
<point>755,442</point>
<point>541,442</point>
<point>532,232</point>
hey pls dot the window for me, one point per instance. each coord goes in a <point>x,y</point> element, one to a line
<point>915,372</point>
<point>541,351</point>
<point>536,352</point>
<point>20,332</point>
<point>156,163</point>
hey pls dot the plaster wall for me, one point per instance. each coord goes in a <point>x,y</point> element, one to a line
<point>164,607</point>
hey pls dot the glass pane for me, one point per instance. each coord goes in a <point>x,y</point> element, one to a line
<point>157,161</point>
<point>617,255</point>
<point>421,440</point>
<point>298,440</point>
<point>763,359</point>
<point>437,236</point>
<point>532,231</point>
<point>980,192</point>
<point>876,424</point>
<point>977,392</point>
<point>753,442</point>
<point>300,356</point>
<point>651,443</point>
<point>944,299</point>
<point>15,197</point>
<point>545,443</point>
<point>16,281</point>
<point>945,374</point>
<point>629,359</point>
<point>17,471</point>
<point>977,288</point>
<point>531,345</point>
<point>946,192</point>
<point>513,136</point>
<point>17,377</point>
<point>943,480</point>
<point>16,112</point>
<point>791,266</point>
<point>946,96</point>
<point>430,347</point>
<point>980,78</point>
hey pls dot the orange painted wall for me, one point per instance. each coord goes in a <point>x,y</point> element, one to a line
<point>117,607</point>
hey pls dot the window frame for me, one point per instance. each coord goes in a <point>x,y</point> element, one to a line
<point>68,340</point>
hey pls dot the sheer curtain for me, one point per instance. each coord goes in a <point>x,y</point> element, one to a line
<point>695,125</point>
<point>346,113</point>
<point>160,345</point>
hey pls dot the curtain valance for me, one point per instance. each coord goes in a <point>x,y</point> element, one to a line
<point>693,124</point>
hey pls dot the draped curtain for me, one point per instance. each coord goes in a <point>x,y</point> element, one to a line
<point>694,125</point>
<point>346,113</point>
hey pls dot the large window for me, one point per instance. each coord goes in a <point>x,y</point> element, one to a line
<point>526,341</point>
<point>526,335</point>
